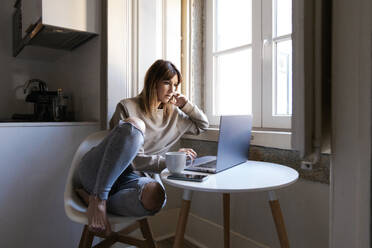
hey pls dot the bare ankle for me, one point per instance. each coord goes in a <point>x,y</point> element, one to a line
<point>96,212</point>
<point>83,195</point>
<point>96,202</point>
<point>95,198</point>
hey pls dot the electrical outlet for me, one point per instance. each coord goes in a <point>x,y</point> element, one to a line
<point>306,165</point>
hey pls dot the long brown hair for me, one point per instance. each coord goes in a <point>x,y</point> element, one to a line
<point>160,70</point>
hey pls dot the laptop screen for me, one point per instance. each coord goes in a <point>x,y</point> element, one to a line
<point>234,140</point>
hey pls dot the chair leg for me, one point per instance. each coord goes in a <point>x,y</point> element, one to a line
<point>146,232</point>
<point>86,238</point>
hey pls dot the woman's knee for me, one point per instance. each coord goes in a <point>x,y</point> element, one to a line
<point>137,122</point>
<point>153,196</point>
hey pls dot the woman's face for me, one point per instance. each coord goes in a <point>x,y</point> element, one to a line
<point>166,89</point>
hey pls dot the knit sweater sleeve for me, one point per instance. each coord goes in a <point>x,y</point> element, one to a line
<point>198,121</point>
<point>148,163</point>
<point>121,113</point>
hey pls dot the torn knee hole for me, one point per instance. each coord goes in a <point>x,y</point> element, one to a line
<point>137,122</point>
<point>153,196</point>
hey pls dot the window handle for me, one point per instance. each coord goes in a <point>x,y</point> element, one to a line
<point>266,42</point>
<point>265,45</point>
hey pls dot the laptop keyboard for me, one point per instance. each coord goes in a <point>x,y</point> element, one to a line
<point>211,164</point>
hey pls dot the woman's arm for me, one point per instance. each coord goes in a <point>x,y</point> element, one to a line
<point>198,118</point>
<point>120,114</point>
<point>148,163</point>
<point>190,112</point>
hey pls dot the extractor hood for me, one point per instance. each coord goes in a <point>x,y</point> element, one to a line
<point>54,24</point>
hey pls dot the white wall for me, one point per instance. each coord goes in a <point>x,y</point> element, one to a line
<point>34,166</point>
<point>77,72</point>
<point>118,53</point>
<point>304,206</point>
<point>351,124</point>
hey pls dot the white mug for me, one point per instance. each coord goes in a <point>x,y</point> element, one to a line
<point>175,161</point>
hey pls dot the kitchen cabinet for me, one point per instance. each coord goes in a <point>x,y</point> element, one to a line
<point>63,25</point>
<point>34,164</point>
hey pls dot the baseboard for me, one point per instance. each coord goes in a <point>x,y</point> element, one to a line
<point>204,233</point>
<point>194,242</point>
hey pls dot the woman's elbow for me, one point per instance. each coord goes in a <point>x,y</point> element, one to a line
<point>203,126</point>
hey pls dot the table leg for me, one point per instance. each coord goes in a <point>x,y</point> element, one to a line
<point>278,219</point>
<point>182,219</point>
<point>226,219</point>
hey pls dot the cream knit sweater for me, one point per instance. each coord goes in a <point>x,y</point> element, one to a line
<point>160,135</point>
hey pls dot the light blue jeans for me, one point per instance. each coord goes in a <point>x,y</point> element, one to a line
<point>105,171</point>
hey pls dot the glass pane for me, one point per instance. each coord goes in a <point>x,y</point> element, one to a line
<point>233,23</point>
<point>283,17</point>
<point>283,78</point>
<point>233,91</point>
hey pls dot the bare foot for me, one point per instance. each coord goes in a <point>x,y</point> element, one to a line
<point>97,219</point>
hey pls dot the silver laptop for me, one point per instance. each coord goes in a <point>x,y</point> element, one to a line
<point>233,145</point>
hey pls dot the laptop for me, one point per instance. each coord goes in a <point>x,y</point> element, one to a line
<point>233,145</point>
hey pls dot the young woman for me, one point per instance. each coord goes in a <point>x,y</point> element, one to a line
<point>143,128</point>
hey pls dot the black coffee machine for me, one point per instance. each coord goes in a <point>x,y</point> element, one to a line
<point>42,99</point>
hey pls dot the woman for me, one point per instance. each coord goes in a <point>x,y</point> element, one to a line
<point>143,128</point>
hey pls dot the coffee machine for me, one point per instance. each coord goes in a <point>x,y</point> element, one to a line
<point>42,100</point>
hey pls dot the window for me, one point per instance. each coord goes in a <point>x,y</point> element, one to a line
<point>158,27</point>
<point>249,60</point>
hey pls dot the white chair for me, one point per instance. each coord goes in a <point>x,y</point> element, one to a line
<point>76,210</point>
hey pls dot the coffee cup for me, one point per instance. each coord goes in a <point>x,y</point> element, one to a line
<point>175,161</point>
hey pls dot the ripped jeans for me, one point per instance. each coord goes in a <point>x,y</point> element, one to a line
<point>105,171</point>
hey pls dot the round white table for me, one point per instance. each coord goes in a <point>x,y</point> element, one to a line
<point>251,176</point>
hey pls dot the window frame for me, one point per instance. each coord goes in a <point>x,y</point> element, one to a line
<point>268,47</point>
<point>262,61</point>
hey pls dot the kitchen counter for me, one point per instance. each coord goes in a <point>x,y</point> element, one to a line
<point>35,159</point>
<point>47,124</point>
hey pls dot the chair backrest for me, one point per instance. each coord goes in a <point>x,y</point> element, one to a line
<point>74,208</point>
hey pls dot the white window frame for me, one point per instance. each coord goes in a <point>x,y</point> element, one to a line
<point>268,41</point>
<point>262,55</point>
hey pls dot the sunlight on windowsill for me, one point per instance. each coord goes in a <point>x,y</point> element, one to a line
<point>268,138</point>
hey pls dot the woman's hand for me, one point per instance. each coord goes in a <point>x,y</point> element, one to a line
<point>189,152</point>
<point>179,100</point>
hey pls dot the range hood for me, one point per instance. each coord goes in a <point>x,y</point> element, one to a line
<point>54,24</point>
